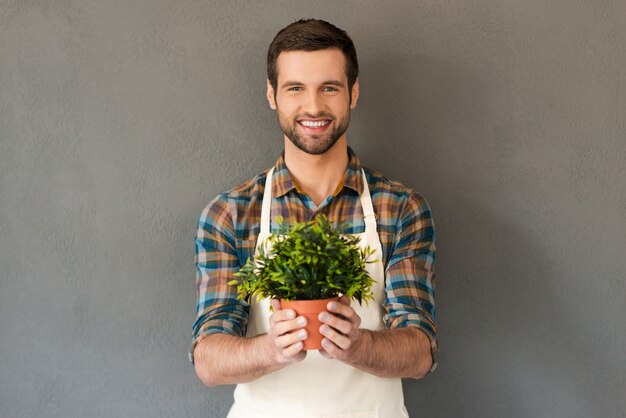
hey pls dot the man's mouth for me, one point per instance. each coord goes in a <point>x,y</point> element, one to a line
<point>314,125</point>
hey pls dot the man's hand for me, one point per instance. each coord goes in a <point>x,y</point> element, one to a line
<point>341,330</point>
<point>285,334</point>
<point>222,359</point>
<point>400,352</point>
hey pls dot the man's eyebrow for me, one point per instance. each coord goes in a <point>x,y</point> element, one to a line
<point>299,83</point>
<point>290,83</point>
<point>334,83</point>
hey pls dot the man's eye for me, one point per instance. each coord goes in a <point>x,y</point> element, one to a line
<point>295,88</point>
<point>330,89</point>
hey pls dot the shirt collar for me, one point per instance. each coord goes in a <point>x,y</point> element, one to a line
<point>283,184</point>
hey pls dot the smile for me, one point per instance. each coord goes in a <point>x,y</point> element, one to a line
<point>314,124</point>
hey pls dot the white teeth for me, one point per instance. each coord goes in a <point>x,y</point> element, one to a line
<point>311,124</point>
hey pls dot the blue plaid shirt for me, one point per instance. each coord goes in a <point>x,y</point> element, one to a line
<point>229,225</point>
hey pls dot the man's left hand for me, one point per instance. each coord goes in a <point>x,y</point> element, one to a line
<point>341,330</point>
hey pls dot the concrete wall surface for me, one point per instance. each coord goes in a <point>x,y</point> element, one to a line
<point>120,120</point>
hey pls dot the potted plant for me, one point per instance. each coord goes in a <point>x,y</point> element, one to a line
<point>306,265</point>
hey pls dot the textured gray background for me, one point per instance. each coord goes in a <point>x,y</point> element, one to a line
<point>120,120</point>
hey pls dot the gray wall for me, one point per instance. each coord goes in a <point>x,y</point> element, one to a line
<point>120,120</point>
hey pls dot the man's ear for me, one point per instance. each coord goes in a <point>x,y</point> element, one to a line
<point>270,95</point>
<point>355,93</point>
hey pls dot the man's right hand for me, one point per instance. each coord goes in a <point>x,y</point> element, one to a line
<point>285,334</point>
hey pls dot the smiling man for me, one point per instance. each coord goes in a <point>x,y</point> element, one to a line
<point>319,119</point>
<point>313,85</point>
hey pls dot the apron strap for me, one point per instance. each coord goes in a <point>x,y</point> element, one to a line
<point>369,217</point>
<point>267,204</point>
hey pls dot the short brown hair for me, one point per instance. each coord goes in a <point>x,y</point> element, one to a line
<point>312,35</point>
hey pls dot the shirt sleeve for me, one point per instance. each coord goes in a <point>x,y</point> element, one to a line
<point>410,273</point>
<point>217,308</point>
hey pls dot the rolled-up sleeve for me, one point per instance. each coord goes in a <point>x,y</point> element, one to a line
<point>410,273</point>
<point>217,307</point>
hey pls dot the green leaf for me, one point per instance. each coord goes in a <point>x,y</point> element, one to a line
<point>308,260</point>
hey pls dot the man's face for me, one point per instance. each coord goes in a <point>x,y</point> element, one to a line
<point>312,98</point>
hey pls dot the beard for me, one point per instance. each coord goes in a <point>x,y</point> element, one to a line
<point>312,143</point>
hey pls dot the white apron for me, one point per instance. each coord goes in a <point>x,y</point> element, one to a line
<point>319,387</point>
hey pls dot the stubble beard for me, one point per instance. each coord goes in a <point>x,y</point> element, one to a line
<point>318,144</point>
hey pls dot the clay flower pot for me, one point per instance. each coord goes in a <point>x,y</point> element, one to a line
<point>310,309</point>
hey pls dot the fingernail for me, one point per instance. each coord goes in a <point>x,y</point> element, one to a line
<point>332,306</point>
<point>324,316</point>
<point>302,335</point>
<point>291,314</point>
<point>302,321</point>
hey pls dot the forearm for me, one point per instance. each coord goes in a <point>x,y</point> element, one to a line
<point>222,359</point>
<point>400,352</point>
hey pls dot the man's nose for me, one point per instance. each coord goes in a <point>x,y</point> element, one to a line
<point>313,104</point>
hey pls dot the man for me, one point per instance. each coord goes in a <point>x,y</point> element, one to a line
<point>312,84</point>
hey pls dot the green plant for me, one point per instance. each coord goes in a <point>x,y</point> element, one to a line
<point>307,261</point>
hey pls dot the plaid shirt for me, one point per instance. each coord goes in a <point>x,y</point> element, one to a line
<point>229,225</point>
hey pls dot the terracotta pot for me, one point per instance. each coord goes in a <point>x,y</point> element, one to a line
<point>310,309</point>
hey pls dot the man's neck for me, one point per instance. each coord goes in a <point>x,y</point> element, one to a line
<point>317,175</point>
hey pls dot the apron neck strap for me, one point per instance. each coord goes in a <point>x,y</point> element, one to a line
<point>366,203</point>
<point>267,203</point>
